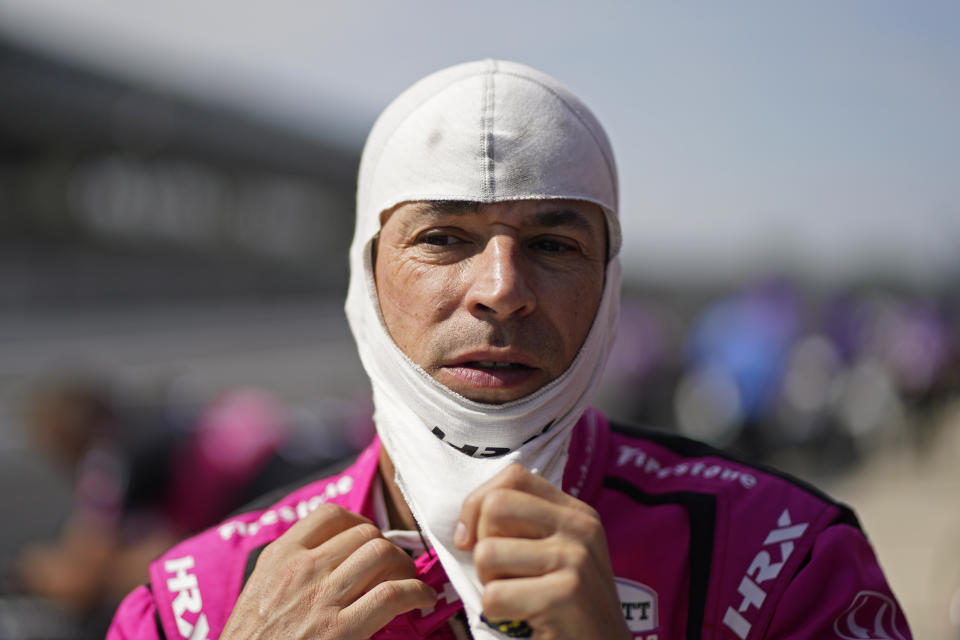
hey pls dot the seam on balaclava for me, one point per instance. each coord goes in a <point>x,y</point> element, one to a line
<point>486,135</point>
<point>611,166</point>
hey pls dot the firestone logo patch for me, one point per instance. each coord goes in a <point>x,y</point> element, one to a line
<point>640,610</point>
<point>871,616</point>
<point>286,513</point>
<point>699,469</point>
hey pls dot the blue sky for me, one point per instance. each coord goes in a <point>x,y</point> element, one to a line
<point>817,136</point>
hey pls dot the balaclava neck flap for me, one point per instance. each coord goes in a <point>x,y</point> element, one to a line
<point>487,131</point>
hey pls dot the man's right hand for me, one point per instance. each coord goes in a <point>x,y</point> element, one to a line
<point>331,575</point>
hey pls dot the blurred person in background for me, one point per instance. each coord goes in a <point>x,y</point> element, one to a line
<point>144,476</point>
<point>495,502</point>
<point>119,471</point>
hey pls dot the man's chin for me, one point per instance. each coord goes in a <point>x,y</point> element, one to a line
<point>490,398</point>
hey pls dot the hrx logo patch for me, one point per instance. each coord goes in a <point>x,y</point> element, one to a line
<point>188,600</point>
<point>766,565</point>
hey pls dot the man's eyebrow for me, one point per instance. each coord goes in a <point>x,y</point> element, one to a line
<point>548,218</point>
<point>561,218</point>
<point>453,207</point>
<point>430,210</point>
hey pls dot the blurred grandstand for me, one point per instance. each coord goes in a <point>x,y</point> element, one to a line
<point>116,192</point>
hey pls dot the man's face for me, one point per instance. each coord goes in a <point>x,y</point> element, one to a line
<point>492,300</point>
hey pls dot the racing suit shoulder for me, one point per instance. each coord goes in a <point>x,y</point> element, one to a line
<point>839,591</point>
<point>195,584</point>
<point>741,550</point>
<point>136,618</point>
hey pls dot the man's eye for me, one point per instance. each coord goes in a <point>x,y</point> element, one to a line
<point>552,245</point>
<point>439,239</point>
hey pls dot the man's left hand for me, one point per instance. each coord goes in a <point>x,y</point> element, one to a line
<point>542,557</point>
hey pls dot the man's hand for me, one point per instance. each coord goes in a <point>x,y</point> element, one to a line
<point>332,575</point>
<point>542,557</point>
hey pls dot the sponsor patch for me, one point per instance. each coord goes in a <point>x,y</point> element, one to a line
<point>871,616</point>
<point>286,513</point>
<point>478,451</point>
<point>637,457</point>
<point>761,569</point>
<point>187,599</point>
<point>639,604</point>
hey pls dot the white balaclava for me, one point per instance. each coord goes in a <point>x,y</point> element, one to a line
<point>487,131</point>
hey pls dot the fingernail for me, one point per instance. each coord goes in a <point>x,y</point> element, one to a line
<point>460,535</point>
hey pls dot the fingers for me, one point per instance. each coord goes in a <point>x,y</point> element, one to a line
<point>351,552</point>
<point>375,562</point>
<point>331,575</point>
<point>528,598</point>
<point>542,557</point>
<point>561,604</point>
<point>508,512</point>
<point>501,558</point>
<point>514,478</point>
<point>338,548</point>
<point>372,611</point>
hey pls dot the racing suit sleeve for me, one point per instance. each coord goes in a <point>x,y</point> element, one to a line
<point>136,617</point>
<point>839,592</point>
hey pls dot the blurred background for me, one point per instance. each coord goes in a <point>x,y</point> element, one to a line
<point>176,193</point>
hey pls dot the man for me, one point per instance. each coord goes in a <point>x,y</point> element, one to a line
<point>483,297</point>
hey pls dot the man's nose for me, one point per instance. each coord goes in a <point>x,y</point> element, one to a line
<point>499,284</point>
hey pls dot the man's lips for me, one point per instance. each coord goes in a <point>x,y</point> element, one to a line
<point>490,373</point>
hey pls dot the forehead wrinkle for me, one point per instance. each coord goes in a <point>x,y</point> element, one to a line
<point>429,211</point>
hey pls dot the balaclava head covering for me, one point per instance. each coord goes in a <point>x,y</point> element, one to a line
<point>487,131</point>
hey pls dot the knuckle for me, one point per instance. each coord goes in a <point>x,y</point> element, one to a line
<point>585,525</point>
<point>567,586</point>
<point>367,531</point>
<point>379,547</point>
<point>576,556</point>
<point>271,553</point>
<point>484,553</point>
<point>471,503</point>
<point>496,502</point>
<point>299,563</point>
<point>385,593</point>
<point>327,511</point>
<point>484,558</point>
<point>391,560</point>
<point>515,474</point>
<point>589,511</point>
<point>492,599</point>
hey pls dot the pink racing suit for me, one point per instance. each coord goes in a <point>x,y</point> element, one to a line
<point>702,546</point>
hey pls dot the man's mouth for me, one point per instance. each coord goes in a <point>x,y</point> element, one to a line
<point>491,374</point>
<point>485,364</point>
